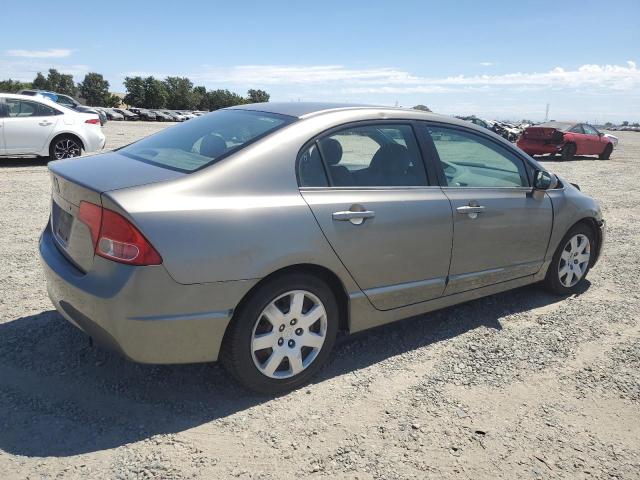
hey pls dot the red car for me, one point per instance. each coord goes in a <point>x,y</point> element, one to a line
<point>566,138</point>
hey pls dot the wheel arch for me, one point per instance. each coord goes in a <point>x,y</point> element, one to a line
<point>323,273</point>
<point>593,225</point>
<point>67,134</point>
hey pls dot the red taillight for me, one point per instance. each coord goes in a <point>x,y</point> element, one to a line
<point>93,121</point>
<point>115,238</point>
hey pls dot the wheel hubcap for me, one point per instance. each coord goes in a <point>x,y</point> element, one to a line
<point>66,148</point>
<point>289,334</point>
<point>574,260</point>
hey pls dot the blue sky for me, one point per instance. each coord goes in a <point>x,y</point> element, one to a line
<point>494,59</point>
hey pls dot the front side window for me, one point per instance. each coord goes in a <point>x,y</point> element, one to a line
<point>469,160</point>
<point>373,155</point>
<point>589,130</point>
<point>577,129</point>
<point>205,140</point>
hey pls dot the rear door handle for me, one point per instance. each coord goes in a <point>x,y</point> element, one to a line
<point>354,217</point>
<point>45,123</point>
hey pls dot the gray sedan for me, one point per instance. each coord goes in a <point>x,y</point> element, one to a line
<point>254,234</point>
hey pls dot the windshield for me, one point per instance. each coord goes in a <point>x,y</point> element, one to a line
<point>202,141</point>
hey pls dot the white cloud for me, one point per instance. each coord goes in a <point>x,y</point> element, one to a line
<point>487,64</point>
<point>26,70</point>
<point>391,80</point>
<point>50,53</point>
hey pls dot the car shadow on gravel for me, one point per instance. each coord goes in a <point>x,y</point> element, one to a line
<point>23,162</point>
<point>61,397</point>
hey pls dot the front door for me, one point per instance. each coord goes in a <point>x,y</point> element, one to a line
<point>593,140</point>
<point>368,190</point>
<point>28,126</point>
<point>500,231</point>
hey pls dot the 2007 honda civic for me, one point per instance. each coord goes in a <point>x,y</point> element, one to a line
<point>254,234</point>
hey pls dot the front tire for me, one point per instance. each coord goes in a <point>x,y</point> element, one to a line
<point>606,153</point>
<point>281,336</point>
<point>571,261</point>
<point>568,151</point>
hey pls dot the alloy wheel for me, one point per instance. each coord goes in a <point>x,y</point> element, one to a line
<point>574,260</point>
<point>289,334</point>
<point>66,148</point>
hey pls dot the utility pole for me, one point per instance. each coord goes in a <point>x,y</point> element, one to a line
<point>546,115</point>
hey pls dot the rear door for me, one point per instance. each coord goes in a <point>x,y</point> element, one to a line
<point>367,187</point>
<point>500,231</point>
<point>28,126</point>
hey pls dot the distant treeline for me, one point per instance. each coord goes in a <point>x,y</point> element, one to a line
<point>176,93</point>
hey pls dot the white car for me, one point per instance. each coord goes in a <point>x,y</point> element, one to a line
<point>613,138</point>
<point>37,126</point>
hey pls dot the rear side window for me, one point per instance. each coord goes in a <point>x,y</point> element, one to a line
<point>23,108</point>
<point>469,160</point>
<point>311,172</point>
<point>203,141</point>
<point>373,155</point>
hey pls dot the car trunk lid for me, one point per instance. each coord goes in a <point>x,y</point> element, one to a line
<point>85,179</point>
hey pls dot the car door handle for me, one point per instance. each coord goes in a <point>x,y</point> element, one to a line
<point>354,217</point>
<point>45,123</point>
<point>471,210</point>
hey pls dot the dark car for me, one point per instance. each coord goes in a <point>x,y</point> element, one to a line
<point>162,116</point>
<point>144,114</point>
<point>66,101</point>
<point>127,114</point>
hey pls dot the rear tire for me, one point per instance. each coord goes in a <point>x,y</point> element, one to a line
<point>568,151</point>
<point>273,343</point>
<point>65,146</point>
<point>571,261</point>
<point>606,153</point>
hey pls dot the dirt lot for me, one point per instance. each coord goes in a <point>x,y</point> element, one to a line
<point>518,385</point>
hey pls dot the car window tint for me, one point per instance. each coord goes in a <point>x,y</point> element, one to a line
<point>46,111</point>
<point>310,169</point>
<point>576,129</point>
<point>469,160</point>
<point>589,130</point>
<point>21,108</point>
<point>373,155</point>
<point>204,140</point>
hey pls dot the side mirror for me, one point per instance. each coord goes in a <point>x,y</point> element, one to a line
<point>543,180</point>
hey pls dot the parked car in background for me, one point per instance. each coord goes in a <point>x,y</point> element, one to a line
<point>162,117</point>
<point>187,115</point>
<point>178,117</point>
<point>112,114</point>
<point>354,217</point>
<point>144,114</point>
<point>66,101</point>
<point>37,126</point>
<point>613,138</point>
<point>127,114</point>
<point>565,138</point>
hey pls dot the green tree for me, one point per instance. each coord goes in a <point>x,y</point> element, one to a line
<point>625,123</point>
<point>217,99</point>
<point>200,98</point>
<point>94,89</point>
<point>257,96</point>
<point>12,86</point>
<point>40,82</point>
<point>135,91</point>
<point>423,108</point>
<point>112,101</point>
<point>155,93</point>
<point>61,83</point>
<point>179,93</point>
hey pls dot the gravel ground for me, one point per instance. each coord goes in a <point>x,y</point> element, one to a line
<point>517,385</point>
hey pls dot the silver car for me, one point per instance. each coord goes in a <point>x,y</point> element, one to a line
<point>254,234</point>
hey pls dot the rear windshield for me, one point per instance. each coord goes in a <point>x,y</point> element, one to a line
<point>561,126</point>
<point>202,141</point>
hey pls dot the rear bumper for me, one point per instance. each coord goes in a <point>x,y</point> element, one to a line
<point>141,312</point>
<point>94,140</point>
<point>533,147</point>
